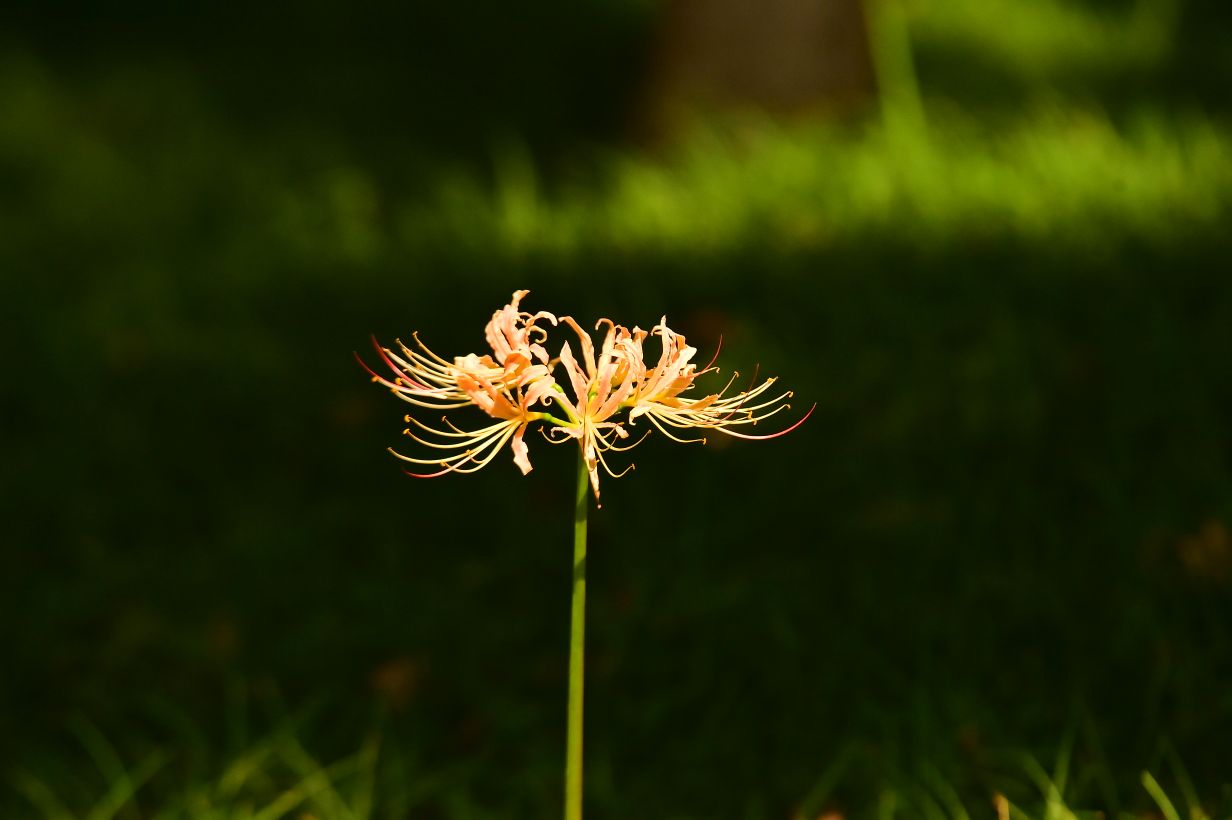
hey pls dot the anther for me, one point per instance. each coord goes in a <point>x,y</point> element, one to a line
<point>407,418</point>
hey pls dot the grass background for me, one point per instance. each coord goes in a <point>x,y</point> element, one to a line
<point>995,561</point>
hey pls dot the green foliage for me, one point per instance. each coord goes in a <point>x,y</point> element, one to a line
<point>1050,41</point>
<point>1070,180</point>
<point>1006,523</point>
<point>275,776</point>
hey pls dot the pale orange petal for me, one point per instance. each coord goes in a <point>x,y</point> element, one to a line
<point>579,380</point>
<point>520,451</point>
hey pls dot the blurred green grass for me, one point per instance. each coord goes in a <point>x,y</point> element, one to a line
<point>276,776</point>
<point>1067,179</point>
<point>1006,523</point>
<point>1051,41</point>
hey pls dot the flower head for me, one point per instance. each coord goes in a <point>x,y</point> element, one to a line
<point>602,386</point>
<point>612,388</point>
<point>660,401</point>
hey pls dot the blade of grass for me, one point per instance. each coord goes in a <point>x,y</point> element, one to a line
<point>1015,813</point>
<point>307,789</point>
<point>312,772</point>
<point>193,748</point>
<point>945,792</point>
<point>926,805</point>
<point>124,788</point>
<point>1060,770</point>
<point>1157,794</point>
<point>99,749</point>
<point>365,789</point>
<point>887,804</point>
<point>816,797</point>
<point>40,796</point>
<point>1054,805</point>
<point>1184,782</point>
<point>237,714</point>
<point>241,770</point>
<point>1102,770</point>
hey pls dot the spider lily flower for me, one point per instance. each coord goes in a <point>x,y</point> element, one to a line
<point>515,338</point>
<point>423,378</point>
<point>658,397</point>
<point>518,375</point>
<point>503,385</point>
<point>601,388</point>
<point>466,451</point>
<point>673,374</point>
<point>517,345</point>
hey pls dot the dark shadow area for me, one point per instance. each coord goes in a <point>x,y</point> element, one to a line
<point>1002,535</point>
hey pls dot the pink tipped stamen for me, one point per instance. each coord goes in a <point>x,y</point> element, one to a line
<point>715,357</point>
<point>769,435</point>
<point>375,376</point>
<point>427,475</point>
<point>402,376</point>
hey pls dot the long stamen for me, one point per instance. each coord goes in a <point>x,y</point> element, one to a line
<point>654,419</point>
<point>472,446</point>
<point>455,432</point>
<point>430,405</point>
<point>603,461</point>
<point>713,358</point>
<point>433,364</point>
<point>497,446</point>
<point>620,448</point>
<point>768,435</point>
<point>426,349</point>
<point>402,373</point>
<point>492,443</point>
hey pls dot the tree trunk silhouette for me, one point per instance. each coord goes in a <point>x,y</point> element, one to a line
<point>776,56</point>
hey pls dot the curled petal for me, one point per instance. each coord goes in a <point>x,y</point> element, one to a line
<point>521,451</point>
<point>588,345</point>
<point>514,337</point>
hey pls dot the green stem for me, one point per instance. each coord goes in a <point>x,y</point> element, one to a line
<point>577,649</point>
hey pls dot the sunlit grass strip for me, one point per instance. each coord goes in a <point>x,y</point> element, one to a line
<point>1058,177</point>
<point>1050,37</point>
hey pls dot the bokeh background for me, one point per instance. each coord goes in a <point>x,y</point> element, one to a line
<point>988,238</point>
